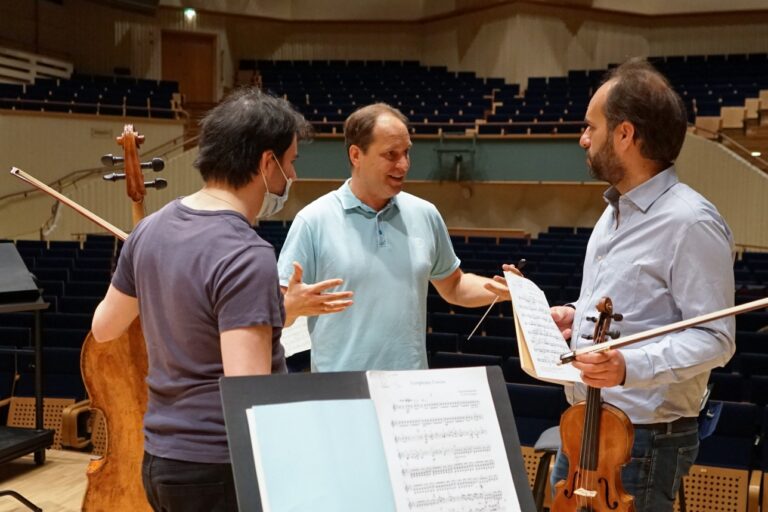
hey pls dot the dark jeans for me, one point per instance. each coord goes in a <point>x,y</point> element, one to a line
<point>177,485</point>
<point>659,462</point>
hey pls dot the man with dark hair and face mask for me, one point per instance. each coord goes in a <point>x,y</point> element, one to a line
<point>207,289</point>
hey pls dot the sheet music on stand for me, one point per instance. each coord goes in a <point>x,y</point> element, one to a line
<point>423,440</point>
<point>442,441</point>
<point>539,340</point>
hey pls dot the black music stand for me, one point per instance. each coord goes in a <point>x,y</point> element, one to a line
<point>18,292</point>
<point>241,393</point>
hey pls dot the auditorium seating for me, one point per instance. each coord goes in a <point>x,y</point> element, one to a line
<point>438,101</point>
<point>95,94</point>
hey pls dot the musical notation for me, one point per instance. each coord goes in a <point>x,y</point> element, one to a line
<point>541,338</point>
<point>442,441</point>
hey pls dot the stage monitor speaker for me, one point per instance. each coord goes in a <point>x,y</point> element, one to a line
<point>16,282</point>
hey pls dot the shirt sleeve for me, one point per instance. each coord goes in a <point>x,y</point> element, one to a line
<point>298,246</point>
<point>124,279</point>
<point>445,261</point>
<point>246,291</point>
<point>701,282</point>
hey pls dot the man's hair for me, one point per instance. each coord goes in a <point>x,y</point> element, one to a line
<point>358,128</point>
<point>236,133</point>
<point>642,96</point>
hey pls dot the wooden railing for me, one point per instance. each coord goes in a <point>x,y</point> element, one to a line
<point>23,67</point>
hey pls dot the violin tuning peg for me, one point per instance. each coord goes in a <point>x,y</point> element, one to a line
<point>592,318</point>
<point>613,334</point>
<point>618,317</point>
<point>587,336</point>
<point>114,176</point>
<point>156,164</point>
<point>110,160</point>
<point>158,184</point>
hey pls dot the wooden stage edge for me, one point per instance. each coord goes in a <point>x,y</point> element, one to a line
<point>57,485</point>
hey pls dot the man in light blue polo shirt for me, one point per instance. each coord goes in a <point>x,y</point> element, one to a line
<point>386,245</point>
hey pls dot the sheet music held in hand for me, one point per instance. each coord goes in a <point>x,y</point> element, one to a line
<point>539,341</point>
<point>295,338</point>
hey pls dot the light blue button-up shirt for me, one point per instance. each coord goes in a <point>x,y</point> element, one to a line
<point>662,253</point>
<point>387,258</point>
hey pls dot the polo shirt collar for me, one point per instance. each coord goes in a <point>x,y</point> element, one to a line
<point>349,200</point>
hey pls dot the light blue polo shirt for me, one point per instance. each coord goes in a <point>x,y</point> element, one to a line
<point>387,258</point>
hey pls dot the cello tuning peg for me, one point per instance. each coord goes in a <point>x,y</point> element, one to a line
<point>587,336</point>
<point>156,164</point>
<point>613,334</point>
<point>592,318</point>
<point>114,176</point>
<point>158,183</point>
<point>618,317</point>
<point>110,160</point>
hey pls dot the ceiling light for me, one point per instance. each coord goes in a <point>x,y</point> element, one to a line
<point>190,14</point>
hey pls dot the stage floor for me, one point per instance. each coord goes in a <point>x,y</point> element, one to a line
<point>57,485</point>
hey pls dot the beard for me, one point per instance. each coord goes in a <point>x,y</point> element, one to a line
<point>605,165</point>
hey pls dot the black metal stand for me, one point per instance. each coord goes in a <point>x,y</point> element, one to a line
<point>16,442</point>
<point>25,501</point>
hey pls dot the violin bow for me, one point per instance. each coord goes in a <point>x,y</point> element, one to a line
<point>658,331</point>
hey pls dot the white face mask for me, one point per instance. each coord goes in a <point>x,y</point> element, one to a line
<point>272,202</point>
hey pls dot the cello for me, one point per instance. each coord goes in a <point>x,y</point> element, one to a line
<point>597,438</point>
<point>115,375</point>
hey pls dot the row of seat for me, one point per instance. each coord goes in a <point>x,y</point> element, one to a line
<point>441,101</point>
<point>93,94</point>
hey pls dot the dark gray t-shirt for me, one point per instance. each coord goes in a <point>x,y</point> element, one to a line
<point>196,274</point>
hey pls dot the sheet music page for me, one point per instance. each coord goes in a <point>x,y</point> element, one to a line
<point>295,338</point>
<point>320,456</point>
<point>442,441</point>
<point>544,341</point>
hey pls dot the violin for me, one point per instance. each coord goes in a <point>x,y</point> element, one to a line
<point>597,438</point>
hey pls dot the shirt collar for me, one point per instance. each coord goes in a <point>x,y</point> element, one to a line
<point>645,194</point>
<point>349,200</point>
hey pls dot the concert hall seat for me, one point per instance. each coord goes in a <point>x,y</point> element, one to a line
<point>454,360</point>
<point>489,345</point>
<point>459,324</point>
<point>513,373</point>
<point>536,408</point>
<point>721,478</point>
<point>727,386</point>
<point>442,342</point>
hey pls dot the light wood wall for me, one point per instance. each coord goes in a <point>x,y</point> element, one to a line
<point>513,40</point>
<point>737,188</point>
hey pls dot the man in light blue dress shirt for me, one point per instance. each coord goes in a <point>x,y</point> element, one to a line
<point>662,253</point>
<point>386,245</point>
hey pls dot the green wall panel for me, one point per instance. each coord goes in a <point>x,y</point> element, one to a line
<point>478,159</point>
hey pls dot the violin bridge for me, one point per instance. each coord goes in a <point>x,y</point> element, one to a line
<point>585,493</point>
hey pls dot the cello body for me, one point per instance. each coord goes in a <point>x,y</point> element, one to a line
<point>115,374</point>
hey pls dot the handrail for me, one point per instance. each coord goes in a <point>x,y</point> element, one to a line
<point>177,112</point>
<point>746,150</point>
<point>746,247</point>
<point>719,136</point>
<point>74,177</point>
